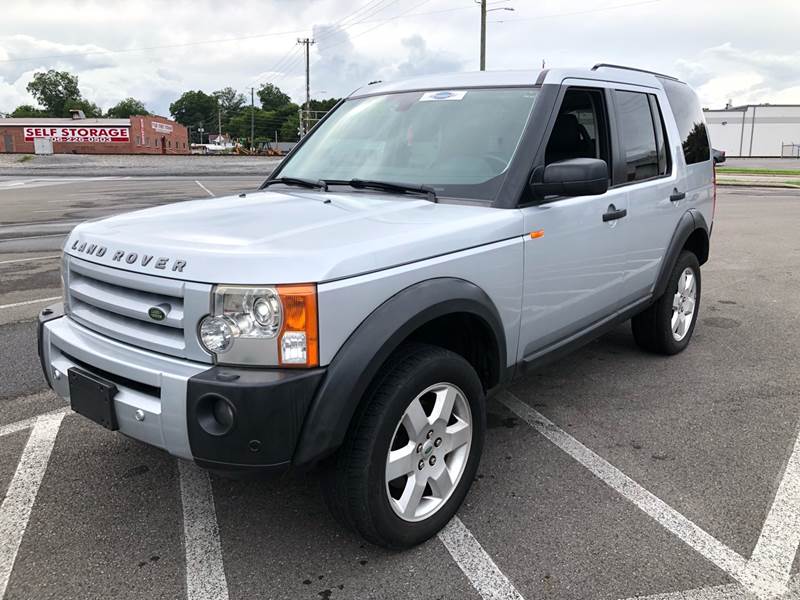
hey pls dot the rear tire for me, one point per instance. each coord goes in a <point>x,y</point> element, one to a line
<point>666,326</point>
<point>412,451</point>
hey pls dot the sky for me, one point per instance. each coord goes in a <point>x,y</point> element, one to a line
<point>153,50</point>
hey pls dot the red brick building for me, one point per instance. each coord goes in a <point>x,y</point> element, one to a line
<point>136,135</point>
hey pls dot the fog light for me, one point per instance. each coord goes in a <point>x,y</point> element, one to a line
<point>217,333</point>
<point>294,348</point>
<point>215,414</point>
<point>223,413</point>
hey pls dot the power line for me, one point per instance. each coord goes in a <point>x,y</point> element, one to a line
<point>578,12</point>
<point>210,42</point>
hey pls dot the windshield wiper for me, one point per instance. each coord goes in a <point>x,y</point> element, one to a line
<point>386,186</point>
<point>316,184</point>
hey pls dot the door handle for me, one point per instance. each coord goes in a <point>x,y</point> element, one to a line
<point>676,195</point>
<point>612,213</point>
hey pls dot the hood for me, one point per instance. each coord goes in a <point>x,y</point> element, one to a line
<point>286,237</point>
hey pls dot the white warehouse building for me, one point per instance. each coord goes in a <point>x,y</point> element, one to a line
<point>763,130</point>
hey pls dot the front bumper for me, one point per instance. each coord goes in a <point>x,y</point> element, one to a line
<point>173,397</point>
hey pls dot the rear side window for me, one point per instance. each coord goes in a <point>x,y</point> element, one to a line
<point>689,118</point>
<point>637,134</point>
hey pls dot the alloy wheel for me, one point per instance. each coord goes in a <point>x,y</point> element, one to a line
<point>429,452</point>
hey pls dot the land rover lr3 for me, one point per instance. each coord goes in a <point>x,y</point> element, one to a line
<point>428,241</point>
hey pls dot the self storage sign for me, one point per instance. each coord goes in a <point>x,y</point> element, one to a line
<point>79,134</point>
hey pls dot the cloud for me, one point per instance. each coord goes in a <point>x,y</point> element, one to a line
<point>728,73</point>
<point>747,55</point>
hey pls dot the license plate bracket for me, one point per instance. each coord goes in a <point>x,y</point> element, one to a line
<point>93,397</point>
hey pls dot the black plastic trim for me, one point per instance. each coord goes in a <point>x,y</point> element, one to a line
<point>515,191</point>
<point>52,312</point>
<point>370,345</point>
<point>691,220</point>
<point>269,407</point>
<point>624,68</point>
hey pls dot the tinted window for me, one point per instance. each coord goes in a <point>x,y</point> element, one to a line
<point>664,162</point>
<point>637,136</point>
<point>580,128</point>
<point>689,117</point>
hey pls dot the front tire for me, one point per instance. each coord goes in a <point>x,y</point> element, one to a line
<point>413,450</point>
<point>667,325</point>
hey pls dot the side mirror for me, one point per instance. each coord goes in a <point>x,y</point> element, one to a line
<point>572,177</point>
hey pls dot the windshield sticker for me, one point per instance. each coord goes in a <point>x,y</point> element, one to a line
<point>442,95</point>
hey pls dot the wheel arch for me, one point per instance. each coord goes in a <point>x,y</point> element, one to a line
<point>441,311</point>
<point>691,234</point>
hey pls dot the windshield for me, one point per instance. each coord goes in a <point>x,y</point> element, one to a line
<point>460,142</point>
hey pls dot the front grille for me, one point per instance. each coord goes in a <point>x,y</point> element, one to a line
<point>116,303</point>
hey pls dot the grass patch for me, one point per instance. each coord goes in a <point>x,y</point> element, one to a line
<point>754,171</point>
<point>25,158</point>
<point>750,183</point>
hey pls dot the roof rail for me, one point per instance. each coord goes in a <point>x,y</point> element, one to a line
<point>623,67</point>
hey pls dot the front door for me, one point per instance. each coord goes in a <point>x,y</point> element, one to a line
<point>575,260</point>
<point>8,143</point>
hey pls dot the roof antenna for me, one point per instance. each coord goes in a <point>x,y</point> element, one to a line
<point>543,64</point>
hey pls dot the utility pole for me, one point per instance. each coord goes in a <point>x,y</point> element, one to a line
<point>483,35</point>
<point>252,120</point>
<point>219,119</point>
<point>484,10</point>
<point>307,43</point>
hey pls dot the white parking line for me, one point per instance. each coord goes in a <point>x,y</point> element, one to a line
<point>205,573</point>
<point>26,302</point>
<point>730,591</point>
<point>780,536</point>
<point>757,581</point>
<point>476,564</point>
<point>209,192</point>
<point>19,260</point>
<point>28,423</point>
<point>18,503</point>
<point>33,237</point>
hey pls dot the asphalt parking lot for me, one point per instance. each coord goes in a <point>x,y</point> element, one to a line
<point>610,474</point>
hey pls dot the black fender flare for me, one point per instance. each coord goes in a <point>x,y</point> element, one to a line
<point>691,221</point>
<point>370,345</point>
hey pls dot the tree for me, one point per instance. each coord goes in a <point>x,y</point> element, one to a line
<point>230,101</point>
<point>90,109</point>
<point>289,130</point>
<point>127,108</point>
<point>55,90</point>
<point>195,108</point>
<point>28,111</point>
<point>271,96</point>
<point>323,105</point>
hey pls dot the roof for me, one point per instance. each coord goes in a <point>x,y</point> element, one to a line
<point>39,121</point>
<point>510,79</point>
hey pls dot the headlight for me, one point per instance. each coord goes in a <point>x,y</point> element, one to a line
<point>216,333</point>
<point>267,326</point>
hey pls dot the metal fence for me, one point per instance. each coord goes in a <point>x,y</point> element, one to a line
<point>790,150</point>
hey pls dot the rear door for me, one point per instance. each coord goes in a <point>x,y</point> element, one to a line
<point>649,178</point>
<point>575,262</point>
<point>668,171</point>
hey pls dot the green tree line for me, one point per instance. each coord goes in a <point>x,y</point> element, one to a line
<point>273,113</point>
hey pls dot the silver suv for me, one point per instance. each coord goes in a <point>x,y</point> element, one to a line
<point>428,242</point>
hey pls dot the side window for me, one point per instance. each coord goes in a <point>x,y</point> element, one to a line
<point>637,136</point>
<point>580,129</point>
<point>664,162</point>
<point>690,121</point>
